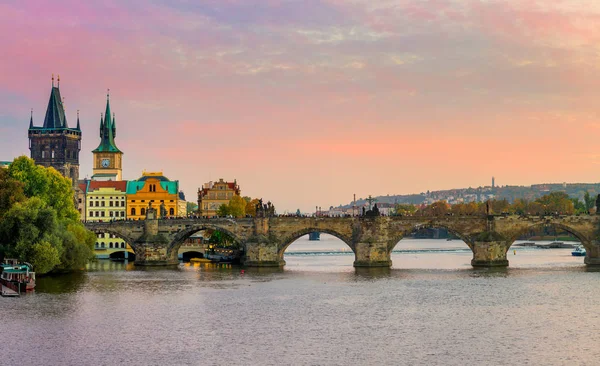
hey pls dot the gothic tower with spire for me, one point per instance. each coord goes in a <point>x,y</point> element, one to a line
<point>55,144</point>
<point>107,156</point>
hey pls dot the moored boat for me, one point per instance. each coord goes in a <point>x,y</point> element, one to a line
<point>578,252</point>
<point>17,276</point>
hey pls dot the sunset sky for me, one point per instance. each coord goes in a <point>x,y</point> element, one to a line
<point>307,102</point>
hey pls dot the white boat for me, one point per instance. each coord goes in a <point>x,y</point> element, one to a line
<point>578,252</point>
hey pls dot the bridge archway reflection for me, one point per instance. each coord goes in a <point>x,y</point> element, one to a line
<point>226,241</point>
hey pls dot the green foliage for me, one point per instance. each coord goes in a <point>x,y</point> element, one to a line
<point>39,222</point>
<point>251,207</point>
<point>220,239</point>
<point>223,210</point>
<point>588,201</point>
<point>405,209</point>
<point>11,192</point>
<point>46,184</point>
<point>191,207</point>
<point>236,207</point>
<point>579,206</point>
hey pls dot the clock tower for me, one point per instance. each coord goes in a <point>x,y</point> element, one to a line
<point>107,156</point>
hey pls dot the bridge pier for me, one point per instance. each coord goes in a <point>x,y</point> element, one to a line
<point>489,254</point>
<point>374,254</point>
<point>263,253</point>
<point>592,254</point>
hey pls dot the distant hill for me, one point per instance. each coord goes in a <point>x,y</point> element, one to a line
<point>480,194</point>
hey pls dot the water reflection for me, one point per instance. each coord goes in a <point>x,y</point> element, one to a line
<point>60,283</point>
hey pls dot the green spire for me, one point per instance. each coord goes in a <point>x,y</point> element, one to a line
<point>107,132</point>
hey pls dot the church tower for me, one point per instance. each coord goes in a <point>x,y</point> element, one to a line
<point>107,156</point>
<point>55,144</point>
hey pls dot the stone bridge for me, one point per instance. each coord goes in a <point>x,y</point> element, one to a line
<point>372,239</point>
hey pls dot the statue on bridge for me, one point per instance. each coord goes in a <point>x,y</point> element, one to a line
<point>374,212</point>
<point>265,209</point>
<point>163,210</point>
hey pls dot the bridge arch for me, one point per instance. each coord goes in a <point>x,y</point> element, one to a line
<point>467,239</point>
<point>585,241</point>
<point>288,240</point>
<point>182,235</point>
<point>108,230</point>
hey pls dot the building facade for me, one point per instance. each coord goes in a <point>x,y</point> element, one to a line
<point>154,190</point>
<point>108,159</point>
<point>107,201</point>
<point>214,194</point>
<point>55,144</point>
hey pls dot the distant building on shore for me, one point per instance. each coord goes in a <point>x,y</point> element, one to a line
<point>214,194</point>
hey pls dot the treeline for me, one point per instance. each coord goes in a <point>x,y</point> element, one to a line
<point>555,203</point>
<point>239,207</point>
<point>38,220</point>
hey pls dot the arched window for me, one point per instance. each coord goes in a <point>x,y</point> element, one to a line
<point>110,244</point>
<point>133,211</point>
<point>171,211</point>
<point>122,245</point>
<point>142,211</point>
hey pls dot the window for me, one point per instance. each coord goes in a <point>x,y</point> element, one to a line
<point>52,154</point>
<point>110,214</point>
<point>110,244</point>
<point>91,214</point>
<point>123,245</point>
<point>133,211</point>
<point>110,203</point>
<point>97,244</point>
<point>102,245</point>
<point>102,204</point>
<point>122,203</point>
<point>43,154</point>
<point>122,213</point>
<point>142,211</point>
<point>102,213</point>
<point>171,211</point>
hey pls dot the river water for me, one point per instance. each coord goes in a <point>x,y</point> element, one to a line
<point>431,308</point>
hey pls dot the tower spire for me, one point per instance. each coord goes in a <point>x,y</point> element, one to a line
<point>53,80</point>
<point>58,85</point>
<point>78,125</point>
<point>31,119</point>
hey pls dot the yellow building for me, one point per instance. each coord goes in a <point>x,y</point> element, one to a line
<point>106,201</point>
<point>214,194</point>
<point>152,188</point>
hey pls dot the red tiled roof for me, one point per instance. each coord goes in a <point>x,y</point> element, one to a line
<point>119,185</point>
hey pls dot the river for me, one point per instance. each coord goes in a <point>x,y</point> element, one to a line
<point>431,308</point>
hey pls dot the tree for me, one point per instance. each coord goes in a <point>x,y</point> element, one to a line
<point>11,192</point>
<point>29,231</point>
<point>588,201</point>
<point>579,206</point>
<point>251,207</point>
<point>237,206</point>
<point>191,207</point>
<point>223,210</point>
<point>298,213</point>
<point>42,226</point>
<point>47,184</point>
<point>402,209</point>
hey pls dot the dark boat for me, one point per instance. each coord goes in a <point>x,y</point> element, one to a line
<point>17,276</point>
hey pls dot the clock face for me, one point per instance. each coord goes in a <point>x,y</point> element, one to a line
<point>105,163</point>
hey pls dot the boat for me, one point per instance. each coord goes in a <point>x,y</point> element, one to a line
<point>200,260</point>
<point>578,252</point>
<point>18,277</point>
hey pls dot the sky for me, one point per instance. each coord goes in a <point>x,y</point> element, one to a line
<point>308,102</point>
